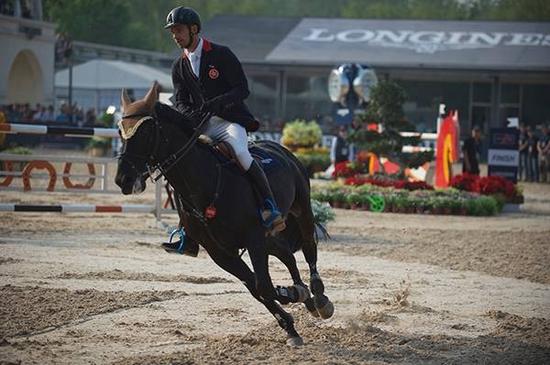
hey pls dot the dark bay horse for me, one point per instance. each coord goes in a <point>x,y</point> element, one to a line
<point>221,204</point>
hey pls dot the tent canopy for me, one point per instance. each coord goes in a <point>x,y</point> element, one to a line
<point>109,75</point>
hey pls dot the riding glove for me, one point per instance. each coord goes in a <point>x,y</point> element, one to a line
<point>215,105</point>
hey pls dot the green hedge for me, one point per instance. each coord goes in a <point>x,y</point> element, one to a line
<point>448,201</point>
<point>314,162</point>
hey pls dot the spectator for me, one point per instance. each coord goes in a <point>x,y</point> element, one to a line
<point>78,115</point>
<point>340,150</point>
<point>544,154</point>
<point>37,116</point>
<point>90,117</point>
<point>522,173</point>
<point>48,115</point>
<point>532,156</point>
<point>63,116</point>
<point>26,113</point>
<point>471,149</point>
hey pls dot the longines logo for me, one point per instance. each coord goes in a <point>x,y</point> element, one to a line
<point>428,41</point>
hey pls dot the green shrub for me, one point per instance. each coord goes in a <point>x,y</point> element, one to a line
<point>300,133</point>
<point>354,199</point>
<point>18,150</point>
<point>314,162</point>
<point>487,205</point>
<point>99,142</point>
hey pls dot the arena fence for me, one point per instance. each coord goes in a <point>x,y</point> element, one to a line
<point>17,171</point>
<point>53,174</point>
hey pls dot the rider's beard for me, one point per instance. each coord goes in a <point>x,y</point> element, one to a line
<point>191,40</point>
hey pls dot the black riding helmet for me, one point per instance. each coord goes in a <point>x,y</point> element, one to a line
<point>183,15</point>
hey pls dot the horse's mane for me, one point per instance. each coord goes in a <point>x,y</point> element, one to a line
<point>183,121</point>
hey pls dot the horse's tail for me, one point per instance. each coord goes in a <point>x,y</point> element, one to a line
<point>321,232</point>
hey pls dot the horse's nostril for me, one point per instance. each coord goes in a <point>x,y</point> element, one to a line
<point>121,180</point>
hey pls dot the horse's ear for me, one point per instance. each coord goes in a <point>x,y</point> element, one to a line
<point>153,94</point>
<point>125,99</point>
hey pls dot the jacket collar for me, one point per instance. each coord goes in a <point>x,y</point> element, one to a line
<point>206,47</point>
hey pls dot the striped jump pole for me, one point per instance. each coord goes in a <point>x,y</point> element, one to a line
<point>68,131</point>
<point>77,208</point>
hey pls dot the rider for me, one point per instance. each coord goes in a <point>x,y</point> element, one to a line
<point>209,77</point>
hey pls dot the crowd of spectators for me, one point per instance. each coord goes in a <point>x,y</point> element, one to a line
<point>534,154</point>
<point>45,114</point>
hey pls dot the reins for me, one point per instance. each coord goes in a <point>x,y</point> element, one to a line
<point>174,158</point>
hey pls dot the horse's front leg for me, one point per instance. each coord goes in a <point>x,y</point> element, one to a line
<point>238,268</point>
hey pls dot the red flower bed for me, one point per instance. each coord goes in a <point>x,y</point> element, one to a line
<point>466,182</point>
<point>496,185</point>
<point>348,169</point>
<point>488,185</point>
<point>398,184</point>
<point>341,169</point>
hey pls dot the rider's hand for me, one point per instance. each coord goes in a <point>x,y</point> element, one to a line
<point>214,105</point>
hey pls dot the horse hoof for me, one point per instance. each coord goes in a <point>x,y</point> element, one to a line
<point>303,293</point>
<point>310,306</point>
<point>314,313</point>
<point>327,310</point>
<point>295,341</point>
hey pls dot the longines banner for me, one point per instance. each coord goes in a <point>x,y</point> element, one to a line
<point>474,45</point>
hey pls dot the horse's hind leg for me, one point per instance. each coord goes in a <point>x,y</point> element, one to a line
<point>299,292</point>
<point>237,267</point>
<point>324,306</point>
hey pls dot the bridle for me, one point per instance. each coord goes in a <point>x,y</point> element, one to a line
<point>156,170</point>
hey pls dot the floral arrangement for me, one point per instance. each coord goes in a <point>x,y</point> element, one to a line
<point>348,169</point>
<point>448,201</point>
<point>488,185</point>
<point>466,182</point>
<point>386,182</point>
<point>300,133</point>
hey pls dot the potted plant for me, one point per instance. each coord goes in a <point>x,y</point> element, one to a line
<point>98,146</point>
<point>17,150</point>
<point>364,201</point>
<point>472,207</point>
<point>339,199</point>
<point>354,200</point>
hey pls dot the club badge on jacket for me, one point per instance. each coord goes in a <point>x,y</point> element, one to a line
<point>213,73</point>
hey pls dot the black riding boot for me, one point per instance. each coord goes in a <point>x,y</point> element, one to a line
<point>269,212</point>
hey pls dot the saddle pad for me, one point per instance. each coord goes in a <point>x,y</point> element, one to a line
<point>268,161</point>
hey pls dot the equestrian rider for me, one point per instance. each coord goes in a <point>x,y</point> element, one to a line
<point>209,77</point>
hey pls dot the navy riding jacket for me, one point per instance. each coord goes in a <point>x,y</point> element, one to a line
<point>220,76</point>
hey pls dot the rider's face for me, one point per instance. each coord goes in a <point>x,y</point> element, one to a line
<point>180,34</point>
<point>184,36</point>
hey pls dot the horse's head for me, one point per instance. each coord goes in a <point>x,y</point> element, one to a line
<point>138,141</point>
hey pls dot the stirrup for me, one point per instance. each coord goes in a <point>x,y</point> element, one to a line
<point>181,233</point>
<point>275,213</point>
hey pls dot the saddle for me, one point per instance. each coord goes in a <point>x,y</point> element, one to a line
<point>223,149</point>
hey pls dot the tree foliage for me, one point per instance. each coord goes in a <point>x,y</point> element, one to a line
<point>139,23</point>
<point>386,108</point>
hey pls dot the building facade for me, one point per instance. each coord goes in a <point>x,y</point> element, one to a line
<point>488,71</point>
<point>27,56</point>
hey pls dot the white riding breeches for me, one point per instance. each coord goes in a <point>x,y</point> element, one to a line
<point>235,134</point>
